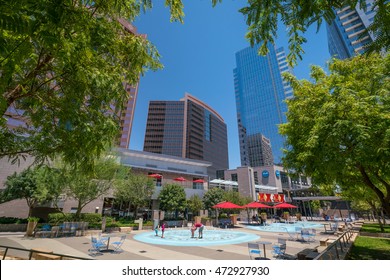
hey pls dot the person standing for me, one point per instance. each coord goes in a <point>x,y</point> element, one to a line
<point>162,229</point>
<point>156,230</point>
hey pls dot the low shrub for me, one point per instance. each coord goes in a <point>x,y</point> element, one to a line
<point>12,220</point>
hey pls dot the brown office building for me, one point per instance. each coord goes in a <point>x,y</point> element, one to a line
<point>127,113</point>
<point>187,128</point>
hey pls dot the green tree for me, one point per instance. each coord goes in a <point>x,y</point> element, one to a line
<point>262,18</point>
<point>25,185</point>
<point>338,129</point>
<point>195,204</point>
<point>63,64</point>
<point>212,197</point>
<point>172,198</point>
<point>85,187</point>
<point>135,189</point>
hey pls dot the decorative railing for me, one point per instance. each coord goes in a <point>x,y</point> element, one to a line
<point>339,248</point>
<point>28,254</point>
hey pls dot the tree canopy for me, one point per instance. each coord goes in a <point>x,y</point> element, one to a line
<point>172,198</point>
<point>338,128</point>
<point>263,16</point>
<point>63,66</point>
<point>136,189</point>
<point>26,185</point>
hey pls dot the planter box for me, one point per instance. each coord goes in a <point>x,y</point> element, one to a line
<point>125,229</point>
<point>13,227</point>
<point>206,222</point>
<point>180,223</point>
<point>375,234</point>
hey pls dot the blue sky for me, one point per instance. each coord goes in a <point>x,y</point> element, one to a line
<point>199,58</point>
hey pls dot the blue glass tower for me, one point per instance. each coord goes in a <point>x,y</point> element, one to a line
<point>260,93</point>
<point>346,36</point>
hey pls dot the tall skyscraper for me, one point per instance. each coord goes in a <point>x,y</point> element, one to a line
<point>187,128</point>
<point>346,36</point>
<point>260,93</point>
<point>127,113</point>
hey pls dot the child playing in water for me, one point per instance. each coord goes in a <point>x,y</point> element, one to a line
<point>193,229</point>
<point>156,230</point>
<point>162,230</point>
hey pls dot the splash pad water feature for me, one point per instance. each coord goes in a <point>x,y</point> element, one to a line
<point>283,227</point>
<point>182,237</point>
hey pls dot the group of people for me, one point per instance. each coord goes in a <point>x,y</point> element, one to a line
<point>258,220</point>
<point>195,226</point>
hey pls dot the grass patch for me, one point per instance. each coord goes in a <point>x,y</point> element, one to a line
<point>375,228</point>
<point>368,248</point>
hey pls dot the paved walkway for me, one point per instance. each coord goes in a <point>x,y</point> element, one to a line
<point>135,250</point>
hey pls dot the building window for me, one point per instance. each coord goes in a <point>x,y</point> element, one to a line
<point>256,177</point>
<point>207,125</point>
<point>234,177</point>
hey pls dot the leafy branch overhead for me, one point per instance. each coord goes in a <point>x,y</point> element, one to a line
<point>64,64</point>
<point>262,17</point>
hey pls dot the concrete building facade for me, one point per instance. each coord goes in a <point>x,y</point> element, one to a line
<point>188,128</point>
<point>346,33</point>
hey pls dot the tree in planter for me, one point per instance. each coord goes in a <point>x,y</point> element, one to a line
<point>211,197</point>
<point>172,198</point>
<point>342,136</point>
<point>195,204</point>
<point>135,189</point>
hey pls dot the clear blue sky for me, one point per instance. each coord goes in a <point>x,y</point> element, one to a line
<point>199,58</point>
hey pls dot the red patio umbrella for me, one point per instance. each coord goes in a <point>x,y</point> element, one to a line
<point>180,179</point>
<point>284,205</point>
<point>256,204</point>
<point>226,205</point>
<point>155,175</point>
<point>198,181</point>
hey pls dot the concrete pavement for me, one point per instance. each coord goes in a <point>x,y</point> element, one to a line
<point>135,250</point>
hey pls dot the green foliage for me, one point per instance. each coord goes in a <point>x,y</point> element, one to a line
<point>63,64</point>
<point>343,134</point>
<point>212,196</point>
<point>262,18</point>
<point>134,188</point>
<point>59,218</point>
<point>33,219</point>
<point>172,198</point>
<point>84,187</point>
<point>195,204</point>
<point>12,220</point>
<point>26,185</point>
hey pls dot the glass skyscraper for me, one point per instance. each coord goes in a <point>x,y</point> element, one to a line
<point>346,36</point>
<point>260,93</point>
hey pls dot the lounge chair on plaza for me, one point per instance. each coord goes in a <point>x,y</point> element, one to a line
<point>308,234</point>
<point>118,244</point>
<point>96,246</point>
<point>279,249</point>
<point>254,250</point>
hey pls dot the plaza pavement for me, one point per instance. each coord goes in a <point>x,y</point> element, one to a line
<point>135,250</point>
